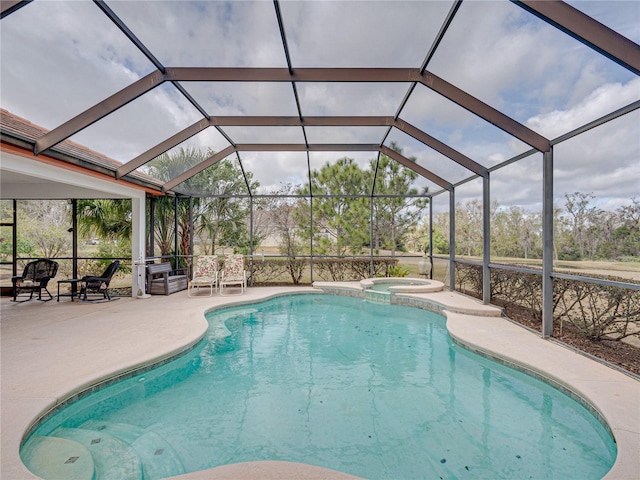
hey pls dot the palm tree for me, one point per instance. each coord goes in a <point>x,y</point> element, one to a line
<point>220,218</point>
<point>166,167</point>
<point>163,227</point>
<point>110,219</point>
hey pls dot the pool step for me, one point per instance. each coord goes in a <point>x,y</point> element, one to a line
<point>112,458</point>
<point>158,458</point>
<point>58,459</point>
<point>377,297</point>
<point>126,432</point>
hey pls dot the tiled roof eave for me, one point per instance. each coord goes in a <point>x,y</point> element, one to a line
<point>141,180</point>
<point>21,133</point>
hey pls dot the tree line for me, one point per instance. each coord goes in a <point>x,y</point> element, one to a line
<point>582,231</point>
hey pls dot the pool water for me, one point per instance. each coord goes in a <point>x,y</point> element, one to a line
<point>377,391</point>
<point>383,286</point>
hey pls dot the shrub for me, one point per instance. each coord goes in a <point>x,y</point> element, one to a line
<point>267,270</point>
<point>595,311</point>
<point>598,311</point>
<point>397,271</point>
<point>344,269</point>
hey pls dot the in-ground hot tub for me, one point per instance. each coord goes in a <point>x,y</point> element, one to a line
<point>401,285</point>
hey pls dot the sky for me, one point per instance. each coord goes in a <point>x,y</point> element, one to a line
<point>59,58</point>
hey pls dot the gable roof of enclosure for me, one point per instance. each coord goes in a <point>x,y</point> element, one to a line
<point>401,84</point>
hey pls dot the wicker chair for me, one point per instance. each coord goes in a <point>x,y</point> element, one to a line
<point>34,279</point>
<point>99,285</point>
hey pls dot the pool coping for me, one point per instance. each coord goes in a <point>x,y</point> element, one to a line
<point>177,322</point>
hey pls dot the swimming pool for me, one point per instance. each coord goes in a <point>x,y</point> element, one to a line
<point>281,387</point>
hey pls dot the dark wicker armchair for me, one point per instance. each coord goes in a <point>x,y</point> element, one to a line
<point>34,279</point>
<point>99,284</point>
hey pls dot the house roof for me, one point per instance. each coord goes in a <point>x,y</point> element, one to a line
<point>22,133</point>
<point>23,129</point>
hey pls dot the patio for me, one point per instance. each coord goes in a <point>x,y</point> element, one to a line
<point>51,351</point>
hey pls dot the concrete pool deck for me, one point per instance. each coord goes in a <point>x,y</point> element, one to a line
<point>52,350</point>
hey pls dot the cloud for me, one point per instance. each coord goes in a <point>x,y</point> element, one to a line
<point>519,64</point>
<point>243,98</point>
<point>601,101</point>
<point>206,33</point>
<point>368,135</point>
<point>59,58</point>
<point>351,98</point>
<point>519,184</point>
<point>291,167</point>
<point>603,161</point>
<point>361,33</point>
<point>140,125</point>
<point>620,15</point>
